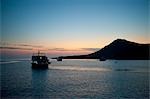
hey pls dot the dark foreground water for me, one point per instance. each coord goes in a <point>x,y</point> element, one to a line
<point>110,79</point>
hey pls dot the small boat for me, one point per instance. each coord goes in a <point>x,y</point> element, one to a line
<point>102,59</point>
<point>59,59</point>
<point>39,60</point>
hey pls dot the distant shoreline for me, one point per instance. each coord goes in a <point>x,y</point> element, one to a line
<point>119,49</point>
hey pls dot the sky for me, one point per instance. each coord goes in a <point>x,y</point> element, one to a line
<point>68,27</point>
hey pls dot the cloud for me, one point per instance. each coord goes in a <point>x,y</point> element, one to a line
<point>15,48</point>
<point>25,45</point>
<point>91,49</point>
<point>5,45</point>
<point>80,49</point>
<point>20,45</point>
<point>12,46</point>
<point>63,49</point>
<point>57,49</point>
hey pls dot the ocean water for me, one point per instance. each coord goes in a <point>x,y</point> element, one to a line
<point>69,79</point>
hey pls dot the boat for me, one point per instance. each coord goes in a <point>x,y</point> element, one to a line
<point>102,59</point>
<point>39,60</point>
<point>59,59</point>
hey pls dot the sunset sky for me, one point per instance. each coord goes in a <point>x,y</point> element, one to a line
<point>68,27</point>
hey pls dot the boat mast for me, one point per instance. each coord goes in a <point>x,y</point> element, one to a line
<point>38,52</point>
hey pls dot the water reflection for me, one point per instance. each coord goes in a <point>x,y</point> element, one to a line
<point>76,68</point>
<point>39,82</point>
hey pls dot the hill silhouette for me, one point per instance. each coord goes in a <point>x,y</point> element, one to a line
<point>119,49</point>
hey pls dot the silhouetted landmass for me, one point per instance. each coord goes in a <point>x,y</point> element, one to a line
<point>119,49</point>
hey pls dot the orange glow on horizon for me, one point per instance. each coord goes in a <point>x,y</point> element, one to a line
<point>48,52</point>
<point>67,48</point>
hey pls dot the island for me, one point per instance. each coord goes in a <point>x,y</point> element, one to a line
<point>119,49</point>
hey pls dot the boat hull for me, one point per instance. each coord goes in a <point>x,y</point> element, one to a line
<point>39,66</point>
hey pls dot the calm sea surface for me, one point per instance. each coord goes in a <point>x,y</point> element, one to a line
<point>94,79</point>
